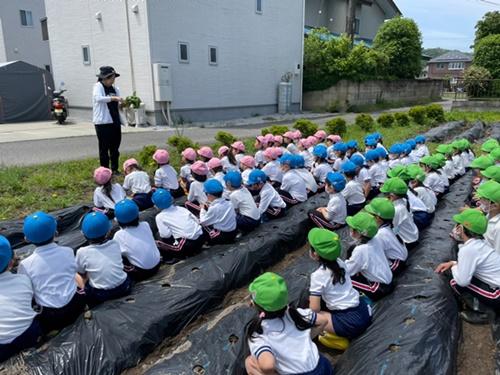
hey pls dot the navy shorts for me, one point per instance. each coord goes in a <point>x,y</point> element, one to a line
<point>351,323</point>
<point>323,368</point>
<point>96,296</point>
<point>422,219</point>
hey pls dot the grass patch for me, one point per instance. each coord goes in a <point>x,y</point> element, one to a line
<point>488,117</point>
<point>383,105</point>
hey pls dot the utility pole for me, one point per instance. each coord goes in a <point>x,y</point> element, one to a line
<point>351,19</point>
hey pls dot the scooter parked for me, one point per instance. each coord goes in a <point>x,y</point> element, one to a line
<point>59,106</point>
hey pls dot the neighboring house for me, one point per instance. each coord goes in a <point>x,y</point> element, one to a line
<point>23,32</point>
<point>450,65</point>
<point>227,57</point>
<point>332,14</point>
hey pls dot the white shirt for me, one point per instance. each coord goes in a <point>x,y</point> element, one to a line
<point>185,172</point>
<point>337,164</point>
<point>308,179</point>
<point>178,222</point>
<point>403,223</point>
<point>196,192</point>
<point>384,164</point>
<point>238,158</point>
<point>244,204</point>
<point>492,235</point>
<point>226,165</point>
<point>336,296</point>
<point>369,260</point>
<point>16,314</point>
<point>259,158</point>
<point>458,165</point>
<point>101,200</point>
<point>421,151</point>
<point>353,193</point>
<point>219,176</point>
<point>220,215</point>
<point>269,198</point>
<point>308,158</point>
<point>100,111</point>
<point>363,176</point>
<point>443,178</point>
<point>394,162</point>
<point>320,171</point>
<point>245,175</point>
<point>273,171</point>
<point>137,182</point>
<point>294,185</point>
<point>138,246</point>
<point>102,263</point>
<point>393,248</point>
<point>428,197</point>
<point>416,204</point>
<point>449,170</point>
<point>405,160</point>
<point>293,350</point>
<point>336,209</point>
<point>166,177</point>
<point>52,270</point>
<point>476,258</point>
<point>377,174</point>
<point>465,159</point>
<point>434,182</point>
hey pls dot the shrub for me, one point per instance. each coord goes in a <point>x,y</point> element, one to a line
<point>365,121</point>
<point>402,119</point>
<point>435,112</point>
<point>225,138</point>
<point>487,54</point>
<point>385,120</point>
<point>275,130</point>
<point>418,114</point>
<point>145,157</point>
<point>181,142</point>
<point>336,126</point>
<point>476,81</point>
<point>306,127</point>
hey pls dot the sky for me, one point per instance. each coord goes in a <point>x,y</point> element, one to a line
<point>447,23</point>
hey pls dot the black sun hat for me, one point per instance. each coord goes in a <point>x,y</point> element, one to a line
<point>106,71</point>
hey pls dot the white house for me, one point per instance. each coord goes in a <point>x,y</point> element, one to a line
<point>226,57</point>
<point>23,32</point>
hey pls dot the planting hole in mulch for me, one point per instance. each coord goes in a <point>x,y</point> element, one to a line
<point>166,285</point>
<point>394,347</point>
<point>195,269</point>
<point>420,298</point>
<point>233,339</point>
<point>198,370</point>
<point>130,300</point>
<point>409,321</point>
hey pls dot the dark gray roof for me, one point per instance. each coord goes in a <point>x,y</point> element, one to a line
<point>452,56</point>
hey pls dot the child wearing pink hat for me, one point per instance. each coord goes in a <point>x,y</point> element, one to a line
<point>197,197</point>
<point>320,135</point>
<point>238,151</point>
<point>107,193</point>
<point>331,140</point>
<point>260,145</point>
<point>205,153</point>
<point>188,158</point>
<point>165,175</point>
<point>272,168</point>
<point>216,170</point>
<point>227,159</point>
<point>303,146</point>
<point>247,165</point>
<point>137,184</point>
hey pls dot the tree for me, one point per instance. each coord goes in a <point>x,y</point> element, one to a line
<point>401,40</point>
<point>476,80</point>
<point>489,25</point>
<point>487,54</point>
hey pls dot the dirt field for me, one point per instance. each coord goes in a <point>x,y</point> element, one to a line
<point>477,350</point>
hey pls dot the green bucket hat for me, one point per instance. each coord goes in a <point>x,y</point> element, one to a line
<point>394,185</point>
<point>482,162</point>
<point>493,173</point>
<point>495,154</point>
<point>444,149</point>
<point>270,292</point>
<point>381,207</point>
<point>455,145</point>
<point>364,223</point>
<point>472,219</point>
<point>463,144</point>
<point>327,244</point>
<point>440,160</point>
<point>489,145</point>
<point>490,190</point>
<point>397,171</point>
<point>415,172</point>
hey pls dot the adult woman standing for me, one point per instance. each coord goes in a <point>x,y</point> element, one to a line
<point>106,117</point>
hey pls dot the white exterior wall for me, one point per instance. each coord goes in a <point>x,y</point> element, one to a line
<point>372,17</point>
<point>23,42</point>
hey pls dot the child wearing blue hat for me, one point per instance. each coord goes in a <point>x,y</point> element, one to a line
<point>353,191</point>
<point>20,328</point>
<point>321,168</point>
<point>395,152</point>
<point>333,215</point>
<point>293,189</point>
<point>180,234</point>
<point>421,150</point>
<point>270,204</point>
<point>362,174</point>
<point>377,173</point>
<point>340,150</point>
<point>300,170</point>
<point>247,213</point>
<point>100,264</point>
<point>352,148</point>
<point>217,216</point>
<point>140,254</point>
<point>52,270</point>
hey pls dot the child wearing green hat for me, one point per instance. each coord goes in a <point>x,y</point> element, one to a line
<point>477,271</point>
<point>348,315</point>
<point>489,202</point>
<point>458,163</point>
<point>433,179</point>
<point>279,338</point>
<point>368,267</point>
<point>423,213</point>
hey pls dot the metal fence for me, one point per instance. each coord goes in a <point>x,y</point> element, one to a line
<point>461,89</point>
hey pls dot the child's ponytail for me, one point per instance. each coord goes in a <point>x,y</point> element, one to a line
<point>338,273</point>
<point>298,319</point>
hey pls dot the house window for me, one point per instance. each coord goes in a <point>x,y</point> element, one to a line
<point>47,68</point>
<point>26,18</point>
<point>45,31</point>
<point>357,23</point>
<point>86,55</point>
<point>456,66</point>
<point>440,66</point>
<point>258,6</point>
<point>183,52</point>
<point>212,55</point>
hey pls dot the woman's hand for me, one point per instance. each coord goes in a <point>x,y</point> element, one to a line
<point>116,99</point>
<point>445,266</point>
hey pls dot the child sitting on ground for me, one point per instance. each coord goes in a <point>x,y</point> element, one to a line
<point>272,168</point>
<point>333,216</point>
<point>331,140</point>
<point>196,197</point>
<point>260,145</point>
<point>137,183</point>
<point>216,169</point>
<point>247,165</point>
<point>165,175</point>
<point>270,204</point>
<point>368,267</point>
<point>107,194</point>
<point>320,167</point>
<point>247,213</point>
<point>217,216</point>
<point>433,180</point>
<point>205,153</point>
<point>489,202</point>
<point>100,264</point>
<point>238,151</point>
<point>423,216</point>
<point>303,147</point>
<point>300,170</point>
<point>293,189</point>
<point>180,234</point>
<point>362,173</point>
<point>421,150</point>
<point>340,150</point>
<point>353,191</point>
<point>52,270</point>
<point>279,338</point>
<point>377,173</point>
<point>141,257</point>
<point>188,158</point>
<point>20,328</point>
<point>227,159</point>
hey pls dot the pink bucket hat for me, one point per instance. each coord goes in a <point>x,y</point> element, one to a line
<point>289,135</point>
<point>320,134</point>
<point>199,168</point>
<point>238,145</point>
<point>279,152</point>
<point>262,140</point>
<point>222,151</point>
<point>269,137</point>
<point>248,161</point>
<point>313,141</point>
<point>214,163</point>
<point>271,153</point>
<point>129,163</point>
<point>189,154</point>
<point>161,156</point>
<point>206,152</point>
<point>102,175</point>
<point>304,142</point>
<point>296,134</point>
<point>278,139</point>
<point>334,138</point>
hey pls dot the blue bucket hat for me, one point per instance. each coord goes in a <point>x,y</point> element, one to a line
<point>348,167</point>
<point>39,227</point>
<point>412,143</point>
<point>420,139</point>
<point>337,180</point>
<point>381,152</point>
<point>95,225</point>
<point>396,148</point>
<point>320,151</point>
<point>234,179</point>
<point>6,253</point>
<point>257,177</point>
<point>372,155</point>
<point>352,144</point>
<point>298,161</point>
<point>341,147</point>
<point>213,186</point>
<point>370,141</point>
<point>162,199</point>
<point>286,159</point>
<point>358,160</point>
<point>126,211</point>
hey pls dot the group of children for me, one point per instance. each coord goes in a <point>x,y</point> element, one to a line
<point>234,193</point>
